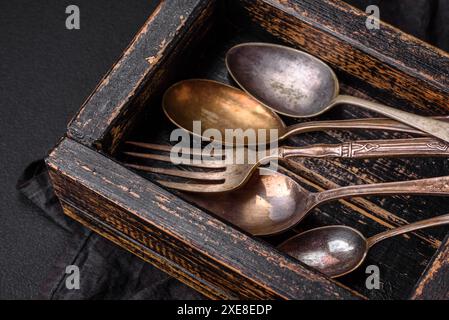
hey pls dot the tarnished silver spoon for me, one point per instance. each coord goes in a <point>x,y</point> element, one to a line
<point>339,250</point>
<point>297,84</point>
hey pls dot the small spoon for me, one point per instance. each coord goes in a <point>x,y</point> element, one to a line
<point>297,84</point>
<point>272,202</point>
<point>339,250</point>
<point>220,106</point>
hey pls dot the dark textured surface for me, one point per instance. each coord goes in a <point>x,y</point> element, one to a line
<point>106,271</point>
<point>368,215</point>
<point>46,73</point>
<point>425,19</point>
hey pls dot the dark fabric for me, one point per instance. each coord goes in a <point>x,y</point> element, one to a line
<point>106,271</point>
<point>47,72</point>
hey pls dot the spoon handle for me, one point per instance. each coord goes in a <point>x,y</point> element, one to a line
<point>371,149</point>
<point>433,222</point>
<point>431,126</point>
<point>368,123</point>
<point>434,186</point>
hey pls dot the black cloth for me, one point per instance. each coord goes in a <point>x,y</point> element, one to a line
<point>106,270</point>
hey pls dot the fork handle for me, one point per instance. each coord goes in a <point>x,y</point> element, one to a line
<point>371,149</point>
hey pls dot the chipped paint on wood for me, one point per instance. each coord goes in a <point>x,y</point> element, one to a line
<point>114,106</point>
<point>180,234</point>
<point>434,284</point>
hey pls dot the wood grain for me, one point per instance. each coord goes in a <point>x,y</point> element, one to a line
<point>189,39</point>
<point>140,71</point>
<point>210,250</point>
<point>369,215</point>
<point>388,60</point>
<point>434,284</point>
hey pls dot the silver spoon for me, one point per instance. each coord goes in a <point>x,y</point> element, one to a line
<point>272,202</point>
<point>222,107</point>
<point>297,84</point>
<point>339,250</point>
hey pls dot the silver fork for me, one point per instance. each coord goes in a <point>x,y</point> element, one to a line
<point>224,177</point>
<point>229,175</point>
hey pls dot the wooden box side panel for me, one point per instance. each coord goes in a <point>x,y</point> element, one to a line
<point>434,284</point>
<point>240,265</point>
<point>396,64</point>
<point>143,251</point>
<point>144,65</point>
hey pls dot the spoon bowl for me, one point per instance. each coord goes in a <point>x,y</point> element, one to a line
<point>333,250</point>
<point>269,203</point>
<point>222,107</point>
<point>299,85</point>
<point>217,106</point>
<point>338,250</point>
<point>288,81</point>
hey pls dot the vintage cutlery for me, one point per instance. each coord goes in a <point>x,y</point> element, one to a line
<point>272,202</point>
<point>220,106</point>
<point>229,174</point>
<point>297,84</point>
<point>339,250</point>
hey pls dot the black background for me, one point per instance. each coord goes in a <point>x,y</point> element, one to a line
<point>47,71</point>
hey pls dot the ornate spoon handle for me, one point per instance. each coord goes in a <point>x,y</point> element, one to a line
<point>371,149</point>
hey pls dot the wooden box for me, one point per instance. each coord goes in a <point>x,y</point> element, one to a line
<point>188,39</point>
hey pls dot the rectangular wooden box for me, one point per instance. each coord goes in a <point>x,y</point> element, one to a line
<point>188,38</point>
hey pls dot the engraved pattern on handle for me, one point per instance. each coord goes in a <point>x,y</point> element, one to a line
<point>371,149</point>
<point>396,148</point>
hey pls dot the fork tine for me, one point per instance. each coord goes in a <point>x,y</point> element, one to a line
<point>159,147</point>
<point>148,156</point>
<point>150,146</point>
<point>192,187</point>
<point>207,176</point>
<point>213,164</point>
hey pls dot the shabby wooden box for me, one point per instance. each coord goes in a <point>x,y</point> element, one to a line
<point>188,38</point>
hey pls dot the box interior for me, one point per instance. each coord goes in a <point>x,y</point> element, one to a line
<point>401,259</point>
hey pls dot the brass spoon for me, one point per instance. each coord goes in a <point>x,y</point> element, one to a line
<point>220,106</point>
<point>339,250</point>
<point>272,203</point>
<point>297,84</point>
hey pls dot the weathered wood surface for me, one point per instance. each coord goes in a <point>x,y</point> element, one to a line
<point>389,60</point>
<point>392,67</point>
<point>143,67</point>
<point>206,248</point>
<point>143,251</point>
<point>434,284</point>
<point>369,215</point>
